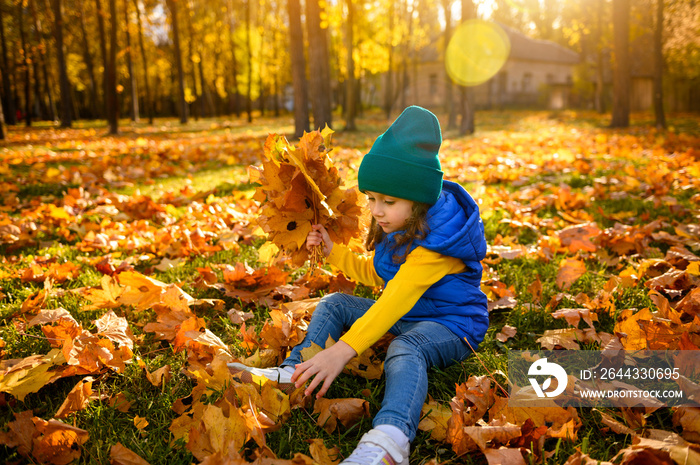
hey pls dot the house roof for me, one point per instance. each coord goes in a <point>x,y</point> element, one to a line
<point>526,48</point>
<point>522,47</point>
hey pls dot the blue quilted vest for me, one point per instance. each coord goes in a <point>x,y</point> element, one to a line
<point>456,230</point>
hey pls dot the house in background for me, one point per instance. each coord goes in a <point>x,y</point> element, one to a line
<point>536,73</point>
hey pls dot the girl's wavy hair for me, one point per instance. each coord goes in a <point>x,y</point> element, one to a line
<point>416,228</point>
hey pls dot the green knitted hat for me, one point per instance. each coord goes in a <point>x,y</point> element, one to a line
<point>403,162</point>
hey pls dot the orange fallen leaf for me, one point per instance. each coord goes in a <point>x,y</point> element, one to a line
<point>321,454</point>
<point>120,455</point>
<point>77,399</point>
<point>105,296</point>
<point>140,422</point>
<point>44,441</point>
<point>346,411</point>
<point>506,333</point>
<point>570,269</point>
<point>159,376</point>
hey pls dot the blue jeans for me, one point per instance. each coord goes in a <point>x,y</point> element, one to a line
<point>417,347</point>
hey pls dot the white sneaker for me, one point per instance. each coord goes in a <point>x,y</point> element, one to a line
<point>377,448</point>
<point>282,377</point>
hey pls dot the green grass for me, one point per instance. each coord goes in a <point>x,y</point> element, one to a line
<point>108,426</point>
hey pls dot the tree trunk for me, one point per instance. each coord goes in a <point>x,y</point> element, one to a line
<point>103,49</point>
<point>249,88</point>
<point>467,125</point>
<point>2,115</point>
<point>449,103</point>
<point>89,64</point>
<point>389,91</point>
<point>621,71</point>
<point>350,101</point>
<point>112,102</point>
<point>599,82</point>
<point>25,66</point>
<point>7,91</point>
<point>659,67</point>
<point>234,64</point>
<point>197,104</point>
<point>296,44</point>
<point>319,62</point>
<point>404,61</point>
<point>66,101</point>
<point>144,58</point>
<point>133,88</point>
<point>172,6</point>
<point>46,88</point>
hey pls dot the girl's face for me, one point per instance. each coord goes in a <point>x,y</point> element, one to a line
<point>390,213</point>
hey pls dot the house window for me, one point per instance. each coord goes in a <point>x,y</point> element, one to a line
<point>527,82</point>
<point>433,83</point>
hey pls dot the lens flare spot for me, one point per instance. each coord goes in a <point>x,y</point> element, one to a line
<point>476,51</point>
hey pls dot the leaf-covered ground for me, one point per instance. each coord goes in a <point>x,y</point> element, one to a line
<point>132,268</point>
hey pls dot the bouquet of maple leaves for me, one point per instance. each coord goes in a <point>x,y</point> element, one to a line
<point>299,187</point>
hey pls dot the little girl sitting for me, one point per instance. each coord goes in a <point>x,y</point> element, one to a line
<point>427,240</point>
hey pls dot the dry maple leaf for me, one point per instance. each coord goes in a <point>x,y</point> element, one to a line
<point>159,376</point>
<point>115,328</point>
<point>570,269</point>
<point>44,441</point>
<point>78,398</point>
<point>435,418</point>
<point>346,411</point>
<point>321,454</point>
<point>105,296</point>
<point>299,186</point>
<point>120,455</point>
<point>21,377</point>
<point>579,237</point>
<point>506,333</point>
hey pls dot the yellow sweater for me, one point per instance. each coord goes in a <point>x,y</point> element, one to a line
<point>422,269</point>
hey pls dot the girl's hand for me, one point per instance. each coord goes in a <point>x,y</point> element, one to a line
<point>319,236</point>
<point>324,366</point>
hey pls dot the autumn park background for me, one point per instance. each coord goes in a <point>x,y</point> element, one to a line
<point>143,242</point>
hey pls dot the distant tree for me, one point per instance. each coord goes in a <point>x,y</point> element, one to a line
<point>467,125</point>
<point>103,49</point>
<point>133,89</point>
<point>43,87</point>
<point>66,102</point>
<point>235,101</point>
<point>599,79</point>
<point>7,92</point>
<point>659,66</point>
<point>249,52</point>
<point>111,97</point>
<point>2,115</point>
<point>296,46</point>
<point>26,60</point>
<point>172,6</point>
<point>389,87</point>
<point>449,103</point>
<point>621,70</point>
<point>350,96</point>
<point>319,63</point>
<point>89,64</point>
<point>144,60</point>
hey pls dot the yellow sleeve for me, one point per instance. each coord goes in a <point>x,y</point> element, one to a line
<point>422,269</point>
<point>357,267</point>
